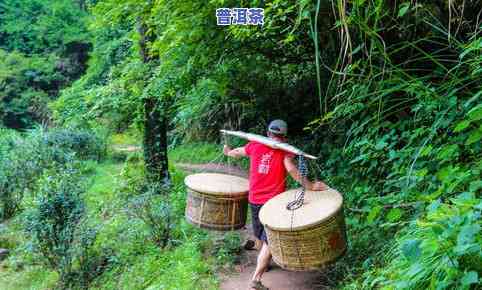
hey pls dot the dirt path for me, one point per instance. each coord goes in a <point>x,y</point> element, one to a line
<point>275,279</point>
<point>126,148</point>
<point>239,277</point>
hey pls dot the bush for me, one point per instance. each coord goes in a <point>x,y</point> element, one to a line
<point>54,220</point>
<point>148,202</point>
<point>7,140</point>
<point>133,177</point>
<point>84,143</point>
<point>92,261</point>
<point>227,250</point>
<point>24,158</point>
<point>441,250</point>
<point>20,167</point>
<point>153,208</point>
<point>60,234</point>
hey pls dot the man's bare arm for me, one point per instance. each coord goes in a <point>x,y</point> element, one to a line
<point>296,175</point>
<point>235,153</point>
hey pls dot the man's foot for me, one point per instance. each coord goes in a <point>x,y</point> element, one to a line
<point>257,285</point>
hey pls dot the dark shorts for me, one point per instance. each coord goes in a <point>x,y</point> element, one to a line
<point>258,228</point>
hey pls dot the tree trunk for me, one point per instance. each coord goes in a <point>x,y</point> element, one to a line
<point>141,29</point>
<point>155,125</point>
<point>155,142</point>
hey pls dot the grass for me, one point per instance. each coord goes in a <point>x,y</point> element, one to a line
<point>29,278</point>
<point>135,262</point>
<point>197,153</point>
<point>101,194</point>
<point>181,268</point>
<point>130,137</point>
<point>18,272</point>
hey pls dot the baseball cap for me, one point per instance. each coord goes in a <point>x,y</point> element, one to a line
<point>278,127</point>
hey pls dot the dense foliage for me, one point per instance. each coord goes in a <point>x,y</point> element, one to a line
<point>388,93</point>
<point>43,48</point>
<point>411,125</point>
<point>78,224</point>
<point>54,220</point>
<point>24,159</point>
<point>442,250</point>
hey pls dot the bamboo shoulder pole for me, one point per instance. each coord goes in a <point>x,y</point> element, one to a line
<point>269,142</point>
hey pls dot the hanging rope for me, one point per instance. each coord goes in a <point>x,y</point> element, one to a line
<point>299,196</point>
<point>230,127</point>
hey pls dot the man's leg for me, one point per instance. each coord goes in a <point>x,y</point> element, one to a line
<point>264,255</point>
<point>264,258</point>
<point>257,227</point>
<point>258,244</point>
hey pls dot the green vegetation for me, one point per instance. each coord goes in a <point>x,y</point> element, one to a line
<point>26,159</point>
<point>44,46</point>
<point>94,230</point>
<point>441,250</point>
<point>387,93</point>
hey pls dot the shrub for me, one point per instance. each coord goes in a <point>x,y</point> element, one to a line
<point>7,140</point>
<point>84,143</point>
<point>24,159</point>
<point>91,260</point>
<point>19,167</point>
<point>54,220</point>
<point>227,250</point>
<point>60,234</point>
<point>10,194</point>
<point>442,250</point>
<point>133,179</point>
<point>153,208</point>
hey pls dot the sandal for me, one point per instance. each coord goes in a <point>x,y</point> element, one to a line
<point>257,285</point>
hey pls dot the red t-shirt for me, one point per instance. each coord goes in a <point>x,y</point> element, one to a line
<point>267,173</point>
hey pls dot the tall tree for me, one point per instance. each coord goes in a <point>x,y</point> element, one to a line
<point>155,141</point>
<point>155,120</point>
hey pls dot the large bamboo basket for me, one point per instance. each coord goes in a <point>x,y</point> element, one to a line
<point>310,237</point>
<point>216,201</point>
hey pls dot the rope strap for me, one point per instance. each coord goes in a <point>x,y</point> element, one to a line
<point>300,196</point>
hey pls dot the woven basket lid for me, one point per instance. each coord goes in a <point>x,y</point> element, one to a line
<point>217,184</point>
<point>318,206</point>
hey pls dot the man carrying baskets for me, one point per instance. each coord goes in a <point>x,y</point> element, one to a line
<point>267,178</point>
